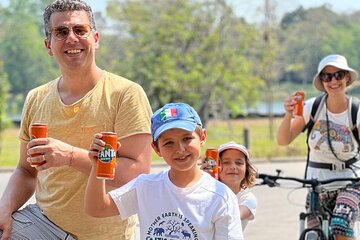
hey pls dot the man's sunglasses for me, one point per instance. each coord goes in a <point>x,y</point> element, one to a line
<point>62,32</point>
<point>327,77</point>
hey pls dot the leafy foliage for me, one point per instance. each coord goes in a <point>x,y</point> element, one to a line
<point>187,51</point>
<point>4,89</point>
<point>198,52</point>
<point>307,37</point>
<point>25,59</point>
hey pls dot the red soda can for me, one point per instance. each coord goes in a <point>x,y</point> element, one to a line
<point>105,168</point>
<point>299,103</point>
<point>37,130</point>
<point>212,158</point>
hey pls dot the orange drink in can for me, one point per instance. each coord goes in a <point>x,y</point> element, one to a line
<point>212,158</point>
<point>37,130</point>
<point>105,168</point>
<point>299,103</point>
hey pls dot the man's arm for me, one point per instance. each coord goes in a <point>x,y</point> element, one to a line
<point>20,188</point>
<point>134,156</point>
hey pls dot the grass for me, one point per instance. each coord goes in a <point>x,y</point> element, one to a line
<point>9,147</point>
<point>261,146</point>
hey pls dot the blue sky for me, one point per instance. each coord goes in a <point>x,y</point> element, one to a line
<point>252,9</point>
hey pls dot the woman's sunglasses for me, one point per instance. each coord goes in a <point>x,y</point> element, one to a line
<point>327,77</point>
<point>62,32</point>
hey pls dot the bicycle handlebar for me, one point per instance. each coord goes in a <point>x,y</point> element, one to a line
<point>270,180</point>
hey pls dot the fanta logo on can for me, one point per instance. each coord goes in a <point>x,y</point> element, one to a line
<point>107,155</point>
<point>211,162</point>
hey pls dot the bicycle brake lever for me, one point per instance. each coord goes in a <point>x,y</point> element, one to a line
<point>270,182</point>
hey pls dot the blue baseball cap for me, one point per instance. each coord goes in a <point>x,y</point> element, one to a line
<point>174,115</point>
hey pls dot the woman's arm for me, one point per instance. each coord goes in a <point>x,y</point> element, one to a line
<point>290,127</point>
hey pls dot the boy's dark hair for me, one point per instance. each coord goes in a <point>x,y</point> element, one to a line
<point>66,5</point>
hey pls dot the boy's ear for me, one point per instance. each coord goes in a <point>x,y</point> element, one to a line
<point>203,137</point>
<point>156,149</point>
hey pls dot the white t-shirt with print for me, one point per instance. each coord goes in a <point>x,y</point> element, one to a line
<point>247,199</point>
<point>207,210</point>
<point>344,144</point>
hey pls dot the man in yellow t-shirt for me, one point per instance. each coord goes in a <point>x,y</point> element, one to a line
<point>83,101</point>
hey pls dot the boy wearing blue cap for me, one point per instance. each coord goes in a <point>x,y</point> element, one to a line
<point>181,202</point>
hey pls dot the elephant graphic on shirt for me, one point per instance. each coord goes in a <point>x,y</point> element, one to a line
<point>338,133</point>
<point>159,231</point>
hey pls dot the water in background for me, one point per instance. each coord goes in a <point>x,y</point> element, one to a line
<point>262,109</point>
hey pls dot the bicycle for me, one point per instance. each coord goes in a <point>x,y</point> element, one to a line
<point>316,207</point>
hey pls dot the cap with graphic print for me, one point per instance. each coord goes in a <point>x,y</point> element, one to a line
<point>174,115</point>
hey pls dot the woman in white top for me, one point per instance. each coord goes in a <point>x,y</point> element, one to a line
<point>333,148</point>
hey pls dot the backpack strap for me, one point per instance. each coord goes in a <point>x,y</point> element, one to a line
<point>354,110</point>
<point>319,101</point>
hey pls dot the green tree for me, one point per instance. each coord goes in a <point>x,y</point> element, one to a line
<point>267,53</point>
<point>4,89</point>
<point>343,40</point>
<point>182,50</point>
<point>304,35</point>
<point>25,59</point>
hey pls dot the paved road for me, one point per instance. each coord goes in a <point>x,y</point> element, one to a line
<point>278,208</point>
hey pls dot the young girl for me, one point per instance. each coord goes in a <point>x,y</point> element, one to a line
<point>239,174</point>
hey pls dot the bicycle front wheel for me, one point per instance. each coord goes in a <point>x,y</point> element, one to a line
<point>313,234</point>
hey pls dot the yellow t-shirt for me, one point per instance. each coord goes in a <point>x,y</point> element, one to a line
<point>115,104</point>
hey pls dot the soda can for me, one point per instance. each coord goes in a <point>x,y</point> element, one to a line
<point>37,130</point>
<point>298,111</point>
<point>106,162</point>
<point>212,158</point>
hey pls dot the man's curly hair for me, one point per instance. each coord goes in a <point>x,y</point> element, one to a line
<point>66,5</point>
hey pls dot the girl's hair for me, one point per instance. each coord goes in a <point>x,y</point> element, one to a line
<point>250,173</point>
